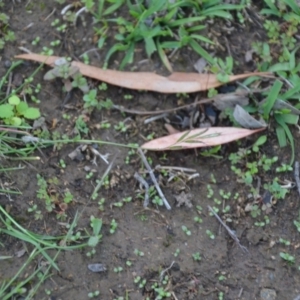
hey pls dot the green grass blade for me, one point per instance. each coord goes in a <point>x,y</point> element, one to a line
<point>281,136</point>
<point>185,21</point>
<point>115,48</point>
<point>163,57</point>
<point>291,92</point>
<point>292,4</point>
<point>128,59</point>
<point>171,45</point>
<point>203,53</point>
<point>289,119</point>
<point>113,7</point>
<point>201,38</point>
<point>288,134</point>
<point>272,97</point>
<point>280,67</point>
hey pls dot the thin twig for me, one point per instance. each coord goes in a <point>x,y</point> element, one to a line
<point>97,188</point>
<point>160,193</point>
<point>202,101</point>
<point>296,174</point>
<point>171,168</point>
<point>162,273</point>
<point>230,232</point>
<point>145,184</point>
<point>152,119</point>
<point>53,11</point>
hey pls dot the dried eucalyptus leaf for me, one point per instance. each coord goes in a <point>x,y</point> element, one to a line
<point>245,120</point>
<point>224,101</point>
<point>73,70</point>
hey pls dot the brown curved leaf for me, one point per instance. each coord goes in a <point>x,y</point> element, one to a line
<point>175,83</point>
<point>197,138</point>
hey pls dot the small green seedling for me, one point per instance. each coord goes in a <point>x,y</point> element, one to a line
<point>102,86</point>
<point>186,230</point>
<point>255,211</point>
<point>16,110</point>
<point>68,197</point>
<point>37,213</point>
<point>95,238</point>
<point>198,219</point>
<point>118,204</point>
<point>177,252</point>
<point>93,294</point>
<point>140,281</point>
<point>226,209</point>
<point>118,269</point>
<point>113,226</point>
<point>127,199</point>
<point>285,242</point>
<point>138,252</point>
<point>297,224</point>
<point>210,191</point>
<point>221,278</point>
<point>221,296</point>
<point>284,168</point>
<point>217,201</point>
<point>196,256</point>
<point>290,259</point>
<point>128,263</point>
<point>157,200</point>
<point>259,224</point>
<point>62,163</point>
<point>121,127</point>
<point>101,204</point>
<point>210,234</point>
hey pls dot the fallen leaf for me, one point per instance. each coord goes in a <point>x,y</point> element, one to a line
<point>246,120</point>
<point>175,83</point>
<point>171,129</point>
<point>198,138</point>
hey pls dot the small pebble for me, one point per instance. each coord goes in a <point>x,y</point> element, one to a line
<point>7,64</point>
<point>268,294</point>
<point>96,268</point>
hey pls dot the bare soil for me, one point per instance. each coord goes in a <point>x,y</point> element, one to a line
<point>155,231</point>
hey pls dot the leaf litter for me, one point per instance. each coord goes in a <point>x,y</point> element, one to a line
<point>175,83</point>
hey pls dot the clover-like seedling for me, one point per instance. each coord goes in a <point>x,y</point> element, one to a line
<point>13,111</point>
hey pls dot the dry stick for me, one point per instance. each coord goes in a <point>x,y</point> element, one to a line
<point>145,184</point>
<point>296,174</point>
<point>156,112</point>
<point>231,233</point>
<point>161,276</point>
<point>160,193</point>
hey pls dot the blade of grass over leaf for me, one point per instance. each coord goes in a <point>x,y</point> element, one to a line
<point>175,83</point>
<point>196,138</point>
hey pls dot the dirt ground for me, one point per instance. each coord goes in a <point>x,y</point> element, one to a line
<point>259,273</point>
